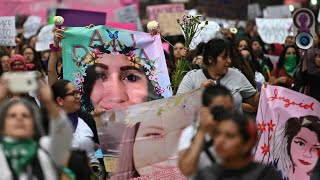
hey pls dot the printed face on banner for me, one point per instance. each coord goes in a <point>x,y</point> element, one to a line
<point>114,68</point>
<point>289,131</point>
<point>148,143</point>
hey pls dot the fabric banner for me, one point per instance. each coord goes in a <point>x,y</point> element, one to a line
<point>7,31</point>
<point>289,131</point>
<point>141,141</point>
<point>114,68</point>
<point>274,30</point>
<point>80,18</point>
<point>127,26</point>
<point>154,10</point>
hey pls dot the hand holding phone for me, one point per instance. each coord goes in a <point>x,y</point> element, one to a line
<point>22,82</point>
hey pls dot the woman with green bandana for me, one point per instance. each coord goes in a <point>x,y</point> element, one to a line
<point>24,152</point>
<point>282,75</point>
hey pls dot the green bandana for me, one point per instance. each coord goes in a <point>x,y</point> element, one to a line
<point>19,153</point>
<point>290,64</point>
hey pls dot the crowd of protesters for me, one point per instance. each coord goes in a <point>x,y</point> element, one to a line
<point>232,70</point>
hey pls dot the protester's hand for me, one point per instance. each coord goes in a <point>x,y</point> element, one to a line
<point>207,124</point>
<point>90,26</point>
<point>98,112</point>
<point>281,80</point>
<point>184,52</point>
<point>4,88</point>
<point>208,83</point>
<point>96,146</point>
<point>45,93</point>
<point>57,36</point>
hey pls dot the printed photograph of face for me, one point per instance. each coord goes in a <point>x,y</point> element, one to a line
<point>114,82</point>
<point>302,137</point>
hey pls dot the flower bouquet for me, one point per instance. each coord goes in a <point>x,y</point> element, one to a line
<point>190,26</point>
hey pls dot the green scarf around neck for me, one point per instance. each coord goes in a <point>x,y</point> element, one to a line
<point>19,153</point>
<point>290,64</point>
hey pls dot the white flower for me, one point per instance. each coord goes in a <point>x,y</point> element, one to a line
<point>58,20</point>
<point>152,25</point>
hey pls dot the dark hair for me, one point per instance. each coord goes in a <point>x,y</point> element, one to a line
<point>90,79</point>
<point>281,60</point>
<point>213,49</point>
<point>246,39</point>
<point>253,63</point>
<point>34,110</point>
<point>245,123</point>
<point>212,92</point>
<point>38,64</point>
<point>294,125</point>
<point>59,88</point>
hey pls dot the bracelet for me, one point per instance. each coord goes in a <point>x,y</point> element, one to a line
<point>55,49</point>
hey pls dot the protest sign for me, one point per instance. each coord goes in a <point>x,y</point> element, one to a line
<point>26,7</point>
<point>168,23</point>
<point>288,131</point>
<point>274,30</point>
<point>31,26</point>
<point>107,7</point>
<point>154,11</point>
<point>278,11</point>
<point>45,38</point>
<point>254,10</point>
<point>135,58</point>
<point>7,31</point>
<point>81,18</point>
<point>127,26</point>
<point>208,32</point>
<point>129,14</point>
<point>143,130</point>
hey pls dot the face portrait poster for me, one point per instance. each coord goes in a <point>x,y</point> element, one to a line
<point>289,132</point>
<point>141,141</point>
<point>114,68</point>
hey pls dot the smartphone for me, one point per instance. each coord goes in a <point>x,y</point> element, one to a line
<point>22,82</point>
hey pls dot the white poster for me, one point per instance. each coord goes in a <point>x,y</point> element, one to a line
<point>45,38</point>
<point>31,26</point>
<point>129,14</point>
<point>7,31</point>
<point>278,11</point>
<point>254,11</point>
<point>207,33</point>
<point>274,30</point>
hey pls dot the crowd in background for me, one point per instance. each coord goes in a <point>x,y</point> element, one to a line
<point>238,63</point>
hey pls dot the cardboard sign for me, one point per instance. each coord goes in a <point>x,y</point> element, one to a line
<point>288,131</point>
<point>129,14</point>
<point>7,31</point>
<point>274,30</point>
<point>168,23</point>
<point>31,26</point>
<point>45,38</point>
<point>154,11</point>
<point>81,18</point>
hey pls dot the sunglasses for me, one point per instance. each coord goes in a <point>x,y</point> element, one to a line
<point>73,93</point>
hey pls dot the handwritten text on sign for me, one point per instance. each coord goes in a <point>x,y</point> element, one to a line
<point>7,31</point>
<point>154,11</point>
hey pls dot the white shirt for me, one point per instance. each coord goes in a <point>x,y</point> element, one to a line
<point>82,139</point>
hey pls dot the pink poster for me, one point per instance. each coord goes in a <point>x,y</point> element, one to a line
<point>127,26</point>
<point>26,7</point>
<point>289,131</point>
<point>107,6</point>
<point>154,11</point>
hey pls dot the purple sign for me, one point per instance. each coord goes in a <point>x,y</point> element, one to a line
<point>80,18</point>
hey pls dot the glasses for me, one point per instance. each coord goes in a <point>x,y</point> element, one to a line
<point>73,93</point>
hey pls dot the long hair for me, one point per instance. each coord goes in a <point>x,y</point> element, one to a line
<point>281,60</point>
<point>38,64</point>
<point>284,136</point>
<point>125,167</point>
<point>34,110</point>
